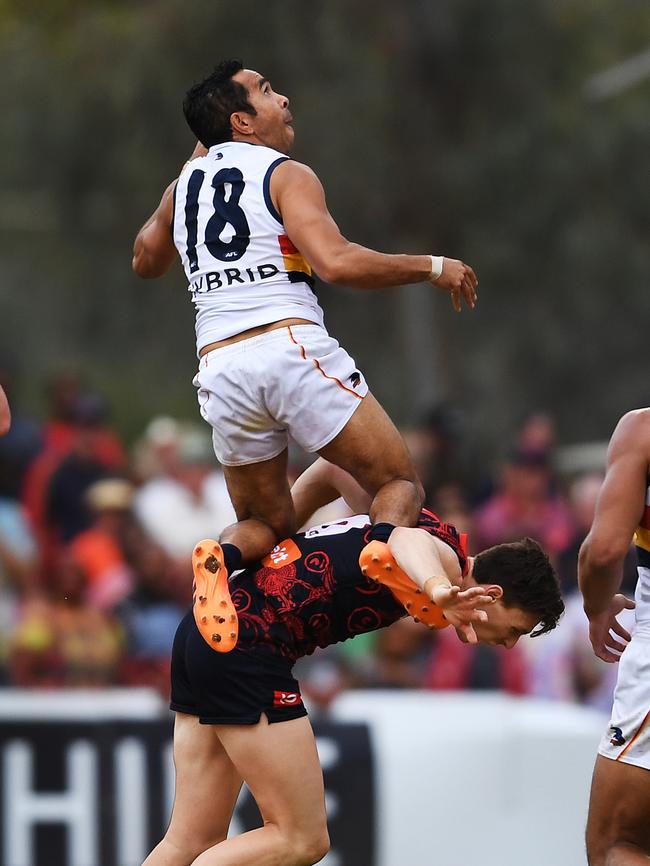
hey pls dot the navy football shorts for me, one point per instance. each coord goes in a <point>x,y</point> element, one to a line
<point>232,688</point>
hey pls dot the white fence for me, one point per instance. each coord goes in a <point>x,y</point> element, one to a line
<point>412,779</point>
<point>478,779</point>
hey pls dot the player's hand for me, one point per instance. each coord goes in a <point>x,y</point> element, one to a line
<point>460,607</point>
<point>602,625</point>
<point>460,281</point>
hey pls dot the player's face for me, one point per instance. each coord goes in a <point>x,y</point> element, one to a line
<point>272,124</point>
<point>504,625</point>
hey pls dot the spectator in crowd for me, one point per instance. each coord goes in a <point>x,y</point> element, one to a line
<point>80,448</point>
<point>18,570</point>
<point>564,667</point>
<point>400,656</point>
<point>437,446</point>
<point>526,503</point>
<point>99,550</point>
<point>155,453</point>
<point>581,498</point>
<point>71,404</point>
<point>84,463</point>
<point>187,500</point>
<point>151,613</point>
<point>324,675</point>
<point>582,495</point>
<point>61,640</point>
<point>537,434</point>
<point>454,665</point>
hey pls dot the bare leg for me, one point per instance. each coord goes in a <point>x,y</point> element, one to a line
<point>618,829</point>
<point>280,766</point>
<point>207,786</point>
<point>369,447</point>
<point>262,501</point>
<point>373,451</point>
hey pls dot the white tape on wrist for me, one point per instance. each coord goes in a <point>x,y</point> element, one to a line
<point>436,266</point>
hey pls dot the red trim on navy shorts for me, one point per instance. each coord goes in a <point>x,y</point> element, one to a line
<point>287,699</point>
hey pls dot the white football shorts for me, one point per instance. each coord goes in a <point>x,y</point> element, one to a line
<point>294,381</point>
<point>628,737</point>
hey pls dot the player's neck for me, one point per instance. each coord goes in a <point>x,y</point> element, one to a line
<point>468,579</point>
<point>238,138</point>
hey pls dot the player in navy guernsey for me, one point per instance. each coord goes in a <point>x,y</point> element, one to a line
<point>240,715</point>
<point>309,592</point>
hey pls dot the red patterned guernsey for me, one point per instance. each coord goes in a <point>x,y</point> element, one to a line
<point>309,591</point>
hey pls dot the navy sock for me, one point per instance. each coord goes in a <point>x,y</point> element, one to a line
<point>232,558</point>
<point>380,532</point>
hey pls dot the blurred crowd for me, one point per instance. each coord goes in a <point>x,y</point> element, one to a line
<point>95,541</point>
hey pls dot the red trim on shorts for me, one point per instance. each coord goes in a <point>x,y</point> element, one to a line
<point>635,737</point>
<point>319,368</point>
<point>287,699</point>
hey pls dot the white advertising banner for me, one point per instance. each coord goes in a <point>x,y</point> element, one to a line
<point>411,778</point>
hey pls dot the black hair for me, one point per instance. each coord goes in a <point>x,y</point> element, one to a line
<point>527,578</point>
<point>208,105</point>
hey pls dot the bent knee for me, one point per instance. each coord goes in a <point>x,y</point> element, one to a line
<point>312,848</point>
<point>282,523</point>
<point>190,847</point>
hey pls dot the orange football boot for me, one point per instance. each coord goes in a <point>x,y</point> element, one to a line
<point>214,613</point>
<point>378,563</point>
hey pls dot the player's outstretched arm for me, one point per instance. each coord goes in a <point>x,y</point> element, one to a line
<point>619,511</point>
<point>5,413</point>
<point>299,197</point>
<point>434,567</point>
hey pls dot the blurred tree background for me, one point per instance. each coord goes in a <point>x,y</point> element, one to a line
<point>456,126</point>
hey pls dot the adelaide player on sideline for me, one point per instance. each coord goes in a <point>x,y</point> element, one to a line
<point>249,224</point>
<point>5,413</point>
<point>240,715</point>
<point>618,826</point>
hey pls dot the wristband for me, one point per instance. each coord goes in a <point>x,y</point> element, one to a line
<point>436,266</point>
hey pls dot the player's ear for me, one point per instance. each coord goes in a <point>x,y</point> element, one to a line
<point>240,122</point>
<point>493,590</point>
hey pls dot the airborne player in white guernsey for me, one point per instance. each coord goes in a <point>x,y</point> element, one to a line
<point>249,224</point>
<point>618,828</point>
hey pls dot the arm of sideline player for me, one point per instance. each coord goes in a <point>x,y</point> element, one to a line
<point>5,413</point>
<point>619,510</point>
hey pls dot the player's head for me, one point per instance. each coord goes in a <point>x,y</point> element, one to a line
<point>234,103</point>
<point>521,579</point>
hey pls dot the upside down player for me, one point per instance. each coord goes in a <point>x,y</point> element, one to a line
<point>618,827</point>
<point>239,714</point>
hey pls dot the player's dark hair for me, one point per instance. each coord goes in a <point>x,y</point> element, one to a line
<point>527,577</point>
<point>208,105</point>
